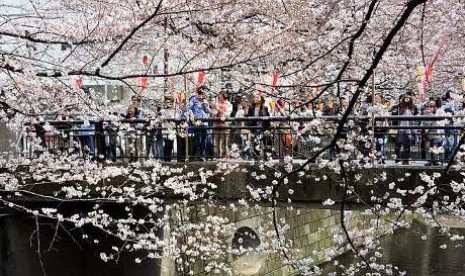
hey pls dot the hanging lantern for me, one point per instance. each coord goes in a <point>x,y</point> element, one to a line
<point>274,83</point>
<point>145,60</point>
<point>144,82</point>
<point>200,80</point>
<point>77,82</point>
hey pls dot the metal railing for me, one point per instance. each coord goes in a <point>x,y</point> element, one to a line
<point>379,139</point>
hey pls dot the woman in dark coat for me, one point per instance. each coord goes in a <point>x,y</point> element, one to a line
<point>259,136</point>
<point>405,137</point>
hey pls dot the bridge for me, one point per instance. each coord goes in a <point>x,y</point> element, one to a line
<point>236,150</point>
<point>242,139</point>
<point>121,157</point>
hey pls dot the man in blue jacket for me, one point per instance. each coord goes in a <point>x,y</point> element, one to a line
<point>198,109</point>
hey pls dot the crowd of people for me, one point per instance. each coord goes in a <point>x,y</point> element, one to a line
<point>199,128</point>
<point>435,134</point>
<point>183,130</point>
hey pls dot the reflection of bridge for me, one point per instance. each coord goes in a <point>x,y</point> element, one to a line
<point>250,138</point>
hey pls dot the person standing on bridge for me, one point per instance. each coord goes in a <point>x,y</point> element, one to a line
<point>168,130</point>
<point>450,106</point>
<point>199,109</point>
<point>260,141</point>
<point>374,107</point>
<point>221,110</point>
<point>131,135</point>
<point>435,138</point>
<point>406,135</point>
<point>242,135</point>
<point>86,135</point>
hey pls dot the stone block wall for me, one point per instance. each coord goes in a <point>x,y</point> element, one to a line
<point>314,233</point>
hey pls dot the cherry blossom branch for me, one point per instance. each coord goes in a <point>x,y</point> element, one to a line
<point>378,56</point>
<point>29,37</point>
<point>312,62</point>
<point>57,225</point>
<point>98,74</point>
<point>128,37</point>
<point>422,46</point>
<point>39,253</point>
<point>342,213</point>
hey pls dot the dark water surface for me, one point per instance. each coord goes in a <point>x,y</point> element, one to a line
<point>417,257</point>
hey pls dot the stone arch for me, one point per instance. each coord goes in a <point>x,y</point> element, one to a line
<point>245,237</point>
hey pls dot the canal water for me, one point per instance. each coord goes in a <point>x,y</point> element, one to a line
<point>436,255</point>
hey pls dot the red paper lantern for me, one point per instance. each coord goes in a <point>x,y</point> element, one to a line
<point>200,80</point>
<point>145,59</point>
<point>144,82</point>
<point>78,82</point>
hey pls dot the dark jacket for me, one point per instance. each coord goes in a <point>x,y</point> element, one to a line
<point>262,112</point>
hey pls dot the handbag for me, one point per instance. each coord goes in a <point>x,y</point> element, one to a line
<point>286,138</point>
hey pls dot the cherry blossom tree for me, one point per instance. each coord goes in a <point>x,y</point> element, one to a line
<point>321,49</point>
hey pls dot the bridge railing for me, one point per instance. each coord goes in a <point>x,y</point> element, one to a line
<point>430,139</point>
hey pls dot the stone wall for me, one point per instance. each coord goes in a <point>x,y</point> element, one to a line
<point>314,233</point>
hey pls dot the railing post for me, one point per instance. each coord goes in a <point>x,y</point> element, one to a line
<point>373,138</point>
<point>186,144</point>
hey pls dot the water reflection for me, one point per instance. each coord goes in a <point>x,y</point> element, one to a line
<point>408,251</point>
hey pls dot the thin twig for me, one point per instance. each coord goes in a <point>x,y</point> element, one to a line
<point>57,225</point>
<point>342,212</point>
<point>39,253</point>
